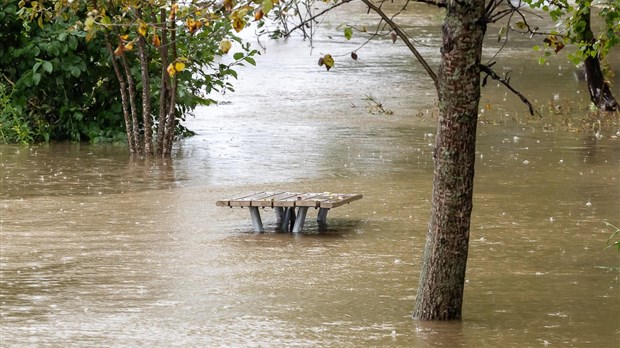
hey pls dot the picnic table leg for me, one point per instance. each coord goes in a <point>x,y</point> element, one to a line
<point>301,218</point>
<point>279,214</point>
<point>288,219</point>
<point>256,221</point>
<point>322,216</point>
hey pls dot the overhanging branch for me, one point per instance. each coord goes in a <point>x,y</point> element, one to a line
<point>300,25</point>
<point>405,39</point>
<point>506,82</point>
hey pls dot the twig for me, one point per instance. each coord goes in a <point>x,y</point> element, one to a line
<point>300,25</point>
<point>506,82</point>
<point>404,37</point>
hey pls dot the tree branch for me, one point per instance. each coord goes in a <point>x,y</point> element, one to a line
<point>300,25</point>
<point>506,82</point>
<point>405,38</point>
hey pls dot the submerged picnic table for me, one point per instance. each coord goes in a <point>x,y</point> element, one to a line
<point>285,203</point>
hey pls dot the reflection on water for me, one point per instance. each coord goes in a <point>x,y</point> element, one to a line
<point>96,250</point>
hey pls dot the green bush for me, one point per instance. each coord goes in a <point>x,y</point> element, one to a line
<point>56,84</point>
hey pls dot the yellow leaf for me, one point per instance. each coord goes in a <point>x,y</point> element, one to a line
<point>173,11</point>
<point>238,24</point>
<point>170,70</point>
<point>129,46</point>
<point>179,66</point>
<point>225,46</point>
<point>88,23</point>
<point>119,50</point>
<point>142,28</point>
<point>125,37</point>
<point>328,61</point>
<point>156,40</point>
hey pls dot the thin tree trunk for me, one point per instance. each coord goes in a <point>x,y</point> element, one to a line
<point>146,92</point>
<point>165,83</point>
<point>132,104</point>
<point>170,120</point>
<point>442,279</point>
<point>171,112</point>
<point>123,89</point>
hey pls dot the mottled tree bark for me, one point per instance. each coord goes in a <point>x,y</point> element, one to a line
<point>124,96</point>
<point>170,125</point>
<point>442,279</point>
<point>146,92</point>
<point>164,87</point>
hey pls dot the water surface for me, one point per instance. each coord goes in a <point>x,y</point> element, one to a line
<point>98,250</point>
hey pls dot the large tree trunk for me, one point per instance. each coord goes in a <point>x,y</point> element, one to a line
<point>600,93</point>
<point>442,279</point>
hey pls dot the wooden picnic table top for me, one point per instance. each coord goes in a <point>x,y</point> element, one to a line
<point>326,200</point>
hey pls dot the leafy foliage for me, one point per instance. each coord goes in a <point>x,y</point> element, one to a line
<point>64,85</point>
<point>575,17</point>
<point>55,84</point>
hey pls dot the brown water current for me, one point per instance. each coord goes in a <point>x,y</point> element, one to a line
<point>99,250</point>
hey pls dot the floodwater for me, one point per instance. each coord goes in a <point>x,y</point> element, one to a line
<point>98,250</point>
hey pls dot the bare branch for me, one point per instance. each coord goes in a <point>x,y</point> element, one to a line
<point>405,39</point>
<point>506,82</point>
<point>300,25</point>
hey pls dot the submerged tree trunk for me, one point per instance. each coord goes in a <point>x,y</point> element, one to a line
<point>146,92</point>
<point>124,97</point>
<point>600,93</point>
<point>442,279</point>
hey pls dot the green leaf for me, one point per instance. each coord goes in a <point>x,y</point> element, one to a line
<point>36,67</point>
<point>348,33</point>
<point>36,78</point>
<point>106,20</point>
<point>238,55</point>
<point>47,66</point>
<point>250,60</point>
<point>75,71</point>
<point>266,6</point>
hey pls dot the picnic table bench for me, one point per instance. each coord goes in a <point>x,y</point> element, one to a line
<point>285,203</point>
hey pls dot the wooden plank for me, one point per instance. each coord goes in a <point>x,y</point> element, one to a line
<point>291,200</point>
<point>270,200</point>
<point>307,200</point>
<point>339,199</point>
<point>300,199</point>
<point>226,202</point>
<point>247,200</point>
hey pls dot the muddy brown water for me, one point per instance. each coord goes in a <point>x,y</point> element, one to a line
<point>97,250</point>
